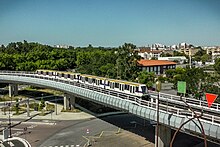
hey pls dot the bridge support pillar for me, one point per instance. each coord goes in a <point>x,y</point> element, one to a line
<point>13,90</point>
<point>164,136</point>
<point>72,102</point>
<point>69,102</point>
<point>66,101</point>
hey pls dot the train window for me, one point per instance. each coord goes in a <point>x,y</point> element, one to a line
<point>62,74</point>
<point>143,88</point>
<point>108,83</point>
<point>116,85</point>
<point>47,73</point>
<point>68,75</point>
<point>126,87</point>
<point>101,82</point>
<point>86,78</point>
<point>93,80</point>
<point>137,89</point>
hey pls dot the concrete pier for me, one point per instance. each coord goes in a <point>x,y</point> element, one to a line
<point>13,90</point>
<point>164,136</point>
<point>69,102</point>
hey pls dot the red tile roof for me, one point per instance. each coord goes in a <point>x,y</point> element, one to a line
<point>143,62</point>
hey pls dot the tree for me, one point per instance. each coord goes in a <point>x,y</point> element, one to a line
<point>217,65</point>
<point>206,58</point>
<point>126,62</point>
<point>147,78</point>
<point>41,104</point>
<point>17,107</point>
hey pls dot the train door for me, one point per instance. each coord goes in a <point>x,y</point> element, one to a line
<point>112,85</point>
<point>131,87</point>
<point>97,82</point>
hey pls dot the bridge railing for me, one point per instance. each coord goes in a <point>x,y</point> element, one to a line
<point>192,101</point>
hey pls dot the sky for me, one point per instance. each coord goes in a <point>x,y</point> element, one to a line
<point>110,23</point>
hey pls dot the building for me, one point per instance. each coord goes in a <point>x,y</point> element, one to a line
<point>180,59</point>
<point>157,66</point>
<point>147,53</point>
<point>189,51</point>
<point>214,51</point>
<point>61,46</point>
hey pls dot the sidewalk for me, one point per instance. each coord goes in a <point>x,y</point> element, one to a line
<point>52,116</point>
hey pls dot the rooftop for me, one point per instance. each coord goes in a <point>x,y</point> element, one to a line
<point>155,62</point>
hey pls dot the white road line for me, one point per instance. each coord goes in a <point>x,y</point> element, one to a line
<point>16,129</point>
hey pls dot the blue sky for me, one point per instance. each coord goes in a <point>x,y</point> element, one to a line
<point>110,22</point>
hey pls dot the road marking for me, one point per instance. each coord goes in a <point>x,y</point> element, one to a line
<point>16,129</point>
<point>17,133</point>
<point>32,126</point>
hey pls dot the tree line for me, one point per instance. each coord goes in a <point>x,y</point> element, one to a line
<point>116,63</point>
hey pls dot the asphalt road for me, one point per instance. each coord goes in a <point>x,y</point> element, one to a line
<point>104,131</point>
<point>96,131</point>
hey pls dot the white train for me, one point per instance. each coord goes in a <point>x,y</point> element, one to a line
<point>132,88</point>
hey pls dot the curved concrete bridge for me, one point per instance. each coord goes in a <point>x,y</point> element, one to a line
<point>169,116</point>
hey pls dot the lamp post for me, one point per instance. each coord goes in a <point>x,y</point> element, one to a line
<point>158,88</point>
<point>9,119</point>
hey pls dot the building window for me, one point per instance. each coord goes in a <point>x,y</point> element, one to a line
<point>158,68</point>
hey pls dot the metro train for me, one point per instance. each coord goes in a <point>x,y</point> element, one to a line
<point>122,86</point>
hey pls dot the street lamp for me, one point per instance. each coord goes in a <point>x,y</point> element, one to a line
<point>158,88</point>
<point>9,119</point>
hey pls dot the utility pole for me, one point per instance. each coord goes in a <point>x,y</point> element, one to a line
<point>158,88</point>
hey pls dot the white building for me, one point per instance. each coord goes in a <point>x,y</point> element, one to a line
<point>149,54</point>
<point>180,59</point>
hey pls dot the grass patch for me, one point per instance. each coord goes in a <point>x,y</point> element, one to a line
<point>50,107</point>
<point>7,98</point>
<point>44,90</point>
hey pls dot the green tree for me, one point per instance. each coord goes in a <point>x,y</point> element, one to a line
<point>126,62</point>
<point>41,104</point>
<point>17,107</point>
<point>217,65</point>
<point>206,58</point>
<point>147,78</point>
